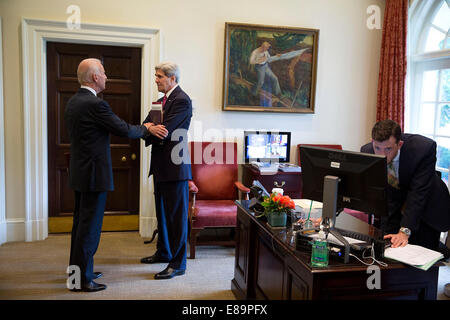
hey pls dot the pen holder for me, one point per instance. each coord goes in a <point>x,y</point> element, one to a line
<point>308,225</point>
<point>278,190</point>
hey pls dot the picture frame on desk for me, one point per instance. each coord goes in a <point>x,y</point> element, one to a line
<point>269,68</point>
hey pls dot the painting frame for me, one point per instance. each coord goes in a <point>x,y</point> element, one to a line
<point>285,82</point>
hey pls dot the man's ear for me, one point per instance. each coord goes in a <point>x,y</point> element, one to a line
<point>400,143</point>
<point>94,77</point>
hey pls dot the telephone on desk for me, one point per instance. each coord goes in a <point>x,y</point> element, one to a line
<point>259,192</point>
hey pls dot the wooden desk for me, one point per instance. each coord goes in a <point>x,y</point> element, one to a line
<point>267,266</point>
<point>291,182</point>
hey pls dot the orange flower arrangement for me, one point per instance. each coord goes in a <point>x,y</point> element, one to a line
<point>278,203</point>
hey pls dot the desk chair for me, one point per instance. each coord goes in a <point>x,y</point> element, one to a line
<point>213,190</point>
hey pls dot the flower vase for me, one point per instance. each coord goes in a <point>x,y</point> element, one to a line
<point>276,219</point>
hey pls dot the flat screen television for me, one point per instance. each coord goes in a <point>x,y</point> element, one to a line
<point>267,146</point>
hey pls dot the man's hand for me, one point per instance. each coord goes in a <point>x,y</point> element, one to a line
<point>398,240</point>
<point>158,131</point>
<point>148,125</point>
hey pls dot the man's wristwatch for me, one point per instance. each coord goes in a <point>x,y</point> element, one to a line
<point>405,231</point>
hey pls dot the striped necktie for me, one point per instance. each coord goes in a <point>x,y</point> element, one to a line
<point>392,178</point>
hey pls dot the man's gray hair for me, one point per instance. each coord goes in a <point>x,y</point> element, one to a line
<point>84,74</point>
<point>169,69</point>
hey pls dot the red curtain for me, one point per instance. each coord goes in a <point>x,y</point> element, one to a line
<point>392,76</point>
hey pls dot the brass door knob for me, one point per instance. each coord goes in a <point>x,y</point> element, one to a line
<point>133,156</point>
<point>124,159</point>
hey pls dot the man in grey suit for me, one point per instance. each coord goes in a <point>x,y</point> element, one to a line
<point>89,121</point>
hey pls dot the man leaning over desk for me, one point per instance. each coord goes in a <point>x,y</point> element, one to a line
<point>418,200</point>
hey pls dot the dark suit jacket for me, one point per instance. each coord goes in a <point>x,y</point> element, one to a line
<point>422,196</point>
<point>89,121</point>
<point>176,119</point>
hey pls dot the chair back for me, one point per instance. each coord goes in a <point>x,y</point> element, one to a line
<point>214,169</point>
<point>331,146</point>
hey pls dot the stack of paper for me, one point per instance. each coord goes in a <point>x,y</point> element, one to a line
<point>414,255</point>
<point>306,203</point>
<point>303,206</point>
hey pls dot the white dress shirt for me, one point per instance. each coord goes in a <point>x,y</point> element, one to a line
<point>90,89</point>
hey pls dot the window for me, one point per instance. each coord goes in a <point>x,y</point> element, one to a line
<point>428,107</point>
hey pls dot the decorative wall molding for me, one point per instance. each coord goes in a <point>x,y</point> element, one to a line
<point>15,229</point>
<point>3,231</point>
<point>35,34</point>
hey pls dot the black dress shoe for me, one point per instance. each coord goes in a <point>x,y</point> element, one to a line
<point>91,287</point>
<point>168,273</point>
<point>153,259</point>
<point>97,275</point>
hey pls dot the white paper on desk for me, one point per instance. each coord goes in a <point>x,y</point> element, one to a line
<point>305,203</point>
<point>413,255</point>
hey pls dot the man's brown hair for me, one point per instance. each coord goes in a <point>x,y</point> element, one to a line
<point>383,130</point>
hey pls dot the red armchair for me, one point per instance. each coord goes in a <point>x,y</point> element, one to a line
<point>214,189</point>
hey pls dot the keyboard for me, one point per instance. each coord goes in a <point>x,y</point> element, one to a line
<point>303,242</point>
<point>355,235</point>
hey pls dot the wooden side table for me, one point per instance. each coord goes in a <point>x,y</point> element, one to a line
<point>290,182</point>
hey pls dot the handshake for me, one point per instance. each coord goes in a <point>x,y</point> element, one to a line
<point>158,130</point>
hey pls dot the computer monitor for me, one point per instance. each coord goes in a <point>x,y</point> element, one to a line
<point>344,179</point>
<point>361,178</point>
<point>267,146</point>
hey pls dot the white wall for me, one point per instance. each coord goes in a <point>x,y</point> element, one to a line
<point>193,36</point>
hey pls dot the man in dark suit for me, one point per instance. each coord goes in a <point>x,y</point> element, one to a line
<point>89,121</point>
<point>418,200</point>
<point>171,170</point>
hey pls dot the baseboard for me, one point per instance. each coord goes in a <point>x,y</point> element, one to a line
<point>15,230</point>
<point>110,223</point>
<point>21,230</point>
<point>3,232</point>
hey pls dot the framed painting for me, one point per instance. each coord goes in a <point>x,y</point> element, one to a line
<point>269,68</point>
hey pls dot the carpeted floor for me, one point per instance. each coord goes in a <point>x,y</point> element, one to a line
<point>36,271</point>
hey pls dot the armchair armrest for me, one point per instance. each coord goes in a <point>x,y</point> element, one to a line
<point>192,189</point>
<point>243,189</point>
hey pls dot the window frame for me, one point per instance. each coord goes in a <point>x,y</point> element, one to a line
<point>421,16</point>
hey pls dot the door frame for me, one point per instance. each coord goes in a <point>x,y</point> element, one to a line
<point>3,221</point>
<point>35,34</point>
